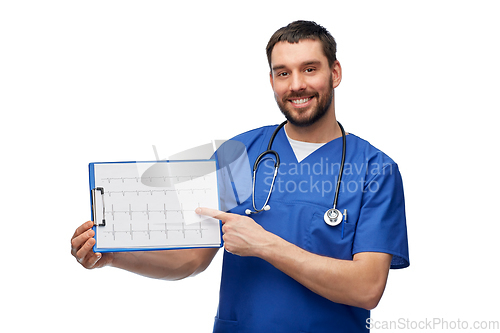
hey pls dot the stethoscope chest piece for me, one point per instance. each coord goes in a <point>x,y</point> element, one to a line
<point>333,217</point>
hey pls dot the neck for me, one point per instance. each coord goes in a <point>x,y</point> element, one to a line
<point>324,130</point>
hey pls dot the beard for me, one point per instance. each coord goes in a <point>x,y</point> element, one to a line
<point>293,115</point>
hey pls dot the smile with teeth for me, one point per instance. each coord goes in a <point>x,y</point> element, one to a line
<point>300,101</point>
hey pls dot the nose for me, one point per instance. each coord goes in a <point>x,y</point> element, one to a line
<point>297,83</point>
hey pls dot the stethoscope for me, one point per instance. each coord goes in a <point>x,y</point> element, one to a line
<point>332,216</point>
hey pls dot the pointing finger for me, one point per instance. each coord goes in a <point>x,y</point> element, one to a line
<point>215,213</point>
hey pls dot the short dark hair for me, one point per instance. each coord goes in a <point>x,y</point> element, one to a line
<point>299,30</point>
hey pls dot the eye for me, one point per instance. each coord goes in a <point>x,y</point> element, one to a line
<point>309,70</point>
<point>282,74</point>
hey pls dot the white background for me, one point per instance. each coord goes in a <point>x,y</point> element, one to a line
<point>84,81</point>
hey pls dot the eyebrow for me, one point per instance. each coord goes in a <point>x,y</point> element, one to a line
<point>275,68</point>
<point>305,63</point>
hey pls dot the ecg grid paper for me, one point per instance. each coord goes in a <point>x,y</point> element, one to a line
<point>150,205</point>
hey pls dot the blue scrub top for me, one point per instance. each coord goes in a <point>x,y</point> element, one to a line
<point>255,296</point>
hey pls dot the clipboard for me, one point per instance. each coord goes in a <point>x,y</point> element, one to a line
<point>141,206</point>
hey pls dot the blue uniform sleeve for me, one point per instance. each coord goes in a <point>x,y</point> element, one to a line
<point>382,221</point>
<point>234,174</point>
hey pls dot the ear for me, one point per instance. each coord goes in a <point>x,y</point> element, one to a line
<point>336,74</point>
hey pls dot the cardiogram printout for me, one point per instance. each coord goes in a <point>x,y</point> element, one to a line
<point>151,205</point>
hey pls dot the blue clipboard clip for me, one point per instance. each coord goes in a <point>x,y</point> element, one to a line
<point>97,214</point>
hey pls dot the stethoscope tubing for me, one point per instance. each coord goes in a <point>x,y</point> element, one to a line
<point>341,170</point>
<point>276,167</point>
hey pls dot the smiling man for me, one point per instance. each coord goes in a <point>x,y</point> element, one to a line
<point>284,268</point>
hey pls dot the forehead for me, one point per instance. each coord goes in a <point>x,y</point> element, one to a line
<point>289,54</point>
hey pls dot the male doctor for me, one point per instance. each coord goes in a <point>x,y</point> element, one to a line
<point>285,269</point>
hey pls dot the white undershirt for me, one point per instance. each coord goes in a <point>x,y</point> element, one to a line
<point>303,149</point>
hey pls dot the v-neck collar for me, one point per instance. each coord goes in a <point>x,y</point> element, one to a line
<point>285,143</point>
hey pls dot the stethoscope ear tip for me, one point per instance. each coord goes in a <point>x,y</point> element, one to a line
<point>267,207</point>
<point>248,212</point>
